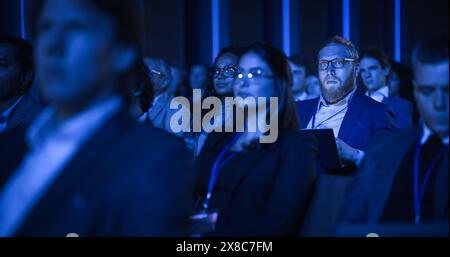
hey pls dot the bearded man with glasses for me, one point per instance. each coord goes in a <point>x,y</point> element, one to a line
<point>354,118</point>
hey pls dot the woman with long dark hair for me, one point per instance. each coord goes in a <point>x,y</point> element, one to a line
<point>252,188</point>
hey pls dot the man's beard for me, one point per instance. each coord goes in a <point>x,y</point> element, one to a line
<point>335,93</point>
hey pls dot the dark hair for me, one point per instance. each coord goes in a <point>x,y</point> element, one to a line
<point>279,66</point>
<point>338,40</point>
<point>233,49</point>
<point>298,60</point>
<point>379,55</point>
<point>140,82</point>
<point>23,54</point>
<point>431,51</point>
<point>405,76</point>
<point>209,84</point>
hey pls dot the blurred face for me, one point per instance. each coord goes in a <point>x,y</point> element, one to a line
<point>255,78</point>
<point>177,79</point>
<point>372,74</point>
<point>336,82</point>
<point>298,78</point>
<point>431,94</point>
<point>11,79</point>
<point>198,77</point>
<point>74,51</point>
<point>313,86</point>
<point>159,75</point>
<point>223,78</point>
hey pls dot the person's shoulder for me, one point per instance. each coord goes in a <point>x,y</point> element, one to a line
<point>374,108</point>
<point>146,132</point>
<point>397,100</point>
<point>396,136</point>
<point>307,102</point>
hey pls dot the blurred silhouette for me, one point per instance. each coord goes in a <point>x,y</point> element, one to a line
<point>89,168</point>
<point>404,177</point>
<point>18,107</point>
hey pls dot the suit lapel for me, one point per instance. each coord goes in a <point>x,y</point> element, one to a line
<point>247,161</point>
<point>81,168</point>
<point>441,190</point>
<point>306,111</point>
<point>355,108</point>
<point>386,169</point>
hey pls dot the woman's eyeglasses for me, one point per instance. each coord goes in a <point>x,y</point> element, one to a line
<point>255,73</point>
<point>228,71</point>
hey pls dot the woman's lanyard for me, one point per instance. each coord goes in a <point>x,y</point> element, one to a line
<point>419,191</point>
<point>217,167</point>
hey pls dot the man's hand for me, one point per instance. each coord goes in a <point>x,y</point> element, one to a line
<point>348,153</point>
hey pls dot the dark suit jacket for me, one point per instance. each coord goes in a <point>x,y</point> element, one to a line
<point>23,114</point>
<point>122,182</point>
<point>365,118</point>
<point>263,192</point>
<point>403,110</point>
<point>368,197</point>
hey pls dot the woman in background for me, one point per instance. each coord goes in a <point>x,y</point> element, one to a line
<point>250,188</point>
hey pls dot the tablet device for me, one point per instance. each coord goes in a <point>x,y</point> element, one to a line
<point>328,156</point>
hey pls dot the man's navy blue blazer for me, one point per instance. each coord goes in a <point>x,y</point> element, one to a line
<point>365,119</point>
<point>129,179</point>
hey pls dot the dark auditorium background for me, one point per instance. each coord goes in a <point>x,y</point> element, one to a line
<point>187,32</point>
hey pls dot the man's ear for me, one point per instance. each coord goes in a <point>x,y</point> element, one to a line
<point>123,58</point>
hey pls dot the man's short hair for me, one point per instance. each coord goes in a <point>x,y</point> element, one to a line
<point>338,40</point>
<point>298,60</point>
<point>23,54</point>
<point>377,54</point>
<point>430,51</point>
<point>126,15</point>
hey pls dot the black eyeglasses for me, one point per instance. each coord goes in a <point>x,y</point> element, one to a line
<point>254,73</point>
<point>337,63</point>
<point>228,71</point>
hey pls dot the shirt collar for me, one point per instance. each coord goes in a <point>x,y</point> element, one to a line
<point>6,114</point>
<point>426,133</point>
<point>345,101</point>
<point>75,128</point>
<point>382,92</point>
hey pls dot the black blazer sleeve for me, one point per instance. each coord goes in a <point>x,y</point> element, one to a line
<point>291,191</point>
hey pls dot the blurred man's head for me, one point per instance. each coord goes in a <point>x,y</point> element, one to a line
<point>298,69</point>
<point>198,76</point>
<point>312,86</point>
<point>16,67</point>
<point>430,66</point>
<point>178,80</point>
<point>85,48</point>
<point>375,69</point>
<point>338,65</point>
<point>160,74</point>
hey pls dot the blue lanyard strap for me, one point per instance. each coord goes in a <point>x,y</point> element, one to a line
<point>419,191</point>
<point>217,167</point>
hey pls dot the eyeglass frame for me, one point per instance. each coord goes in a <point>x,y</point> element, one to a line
<point>346,60</point>
<point>214,74</point>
